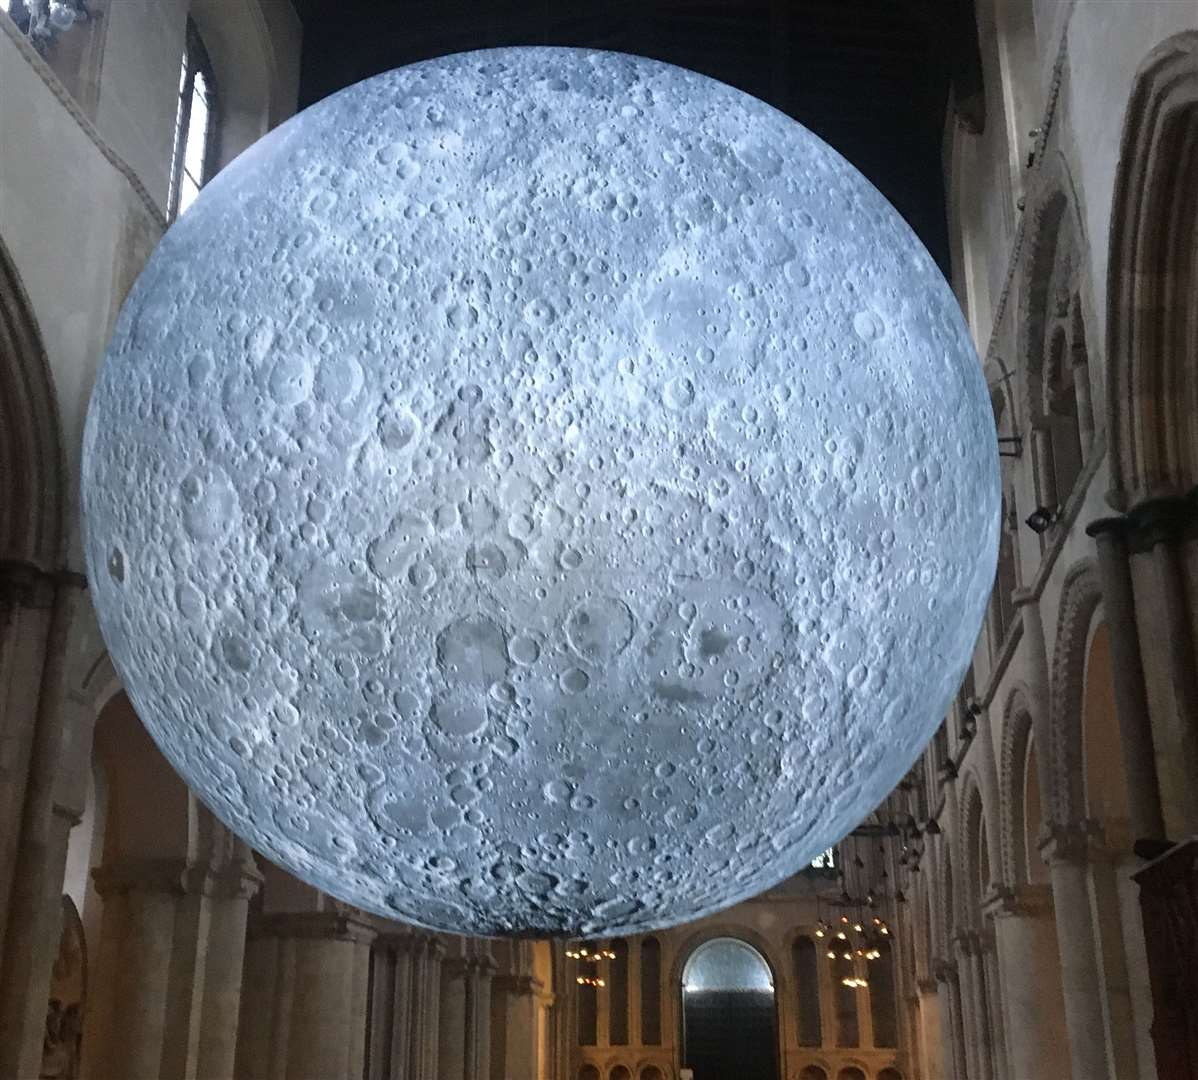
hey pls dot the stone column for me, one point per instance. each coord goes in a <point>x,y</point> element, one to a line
<point>1131,697</point>
<point>169,962</point>
<point>1065,850</point>
<point>952,1036</point>
<point>304,1005</point>
<point>998,1027</point>
<point>1029,976</point>
<point>931,1044</point>
<point>1157,534</point>
<point>466,1012</point>
<point>978,1040</point>
<point>516,1022</point>
<point>426,1007</point>
<point>37,618</point>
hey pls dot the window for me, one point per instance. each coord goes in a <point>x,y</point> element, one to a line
<point>43,20</point>
<point>651,992</point>
<point>617,996</point>
<point>195,126</point>
<point>825,860</point>
<point>807,980</point>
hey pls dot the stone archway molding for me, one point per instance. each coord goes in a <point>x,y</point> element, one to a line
<point>1152,283</point>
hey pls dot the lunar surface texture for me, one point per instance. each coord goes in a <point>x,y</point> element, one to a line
<point>540,491</point>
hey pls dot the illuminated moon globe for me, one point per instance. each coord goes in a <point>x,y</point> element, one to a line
<point>541,491</point>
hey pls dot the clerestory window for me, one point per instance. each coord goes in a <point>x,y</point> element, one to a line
<point>193,157</point>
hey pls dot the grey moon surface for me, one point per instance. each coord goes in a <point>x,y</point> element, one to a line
<point>540,491</point>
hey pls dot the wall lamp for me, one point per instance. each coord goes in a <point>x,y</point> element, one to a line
<point>1042,519</point>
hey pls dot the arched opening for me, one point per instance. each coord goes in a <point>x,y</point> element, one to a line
<point>617,995</point>
<point>31,463</point>
<point>883,1004</point>
<point>1152,298</point>
<point>850,1072</point>
<point>1034,868</point>
<point>844,997</point>
<point>589,1072</point>
<point>813,1072</point>
<point>650,992</point>
<point>651,1072</point>
<point>729,1019</point>
<point>890,1073</point>
<point>588,1015</point>
<point>620,1072</point>
<point>806,968</point>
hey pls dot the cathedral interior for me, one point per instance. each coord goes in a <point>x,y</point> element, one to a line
<point>1024,904</point>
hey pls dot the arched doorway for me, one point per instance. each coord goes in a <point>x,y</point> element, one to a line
<point>729,1017</point>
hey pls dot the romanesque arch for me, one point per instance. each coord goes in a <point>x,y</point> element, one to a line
<point>1152,283</point>
<point>1081,596</point>
<point>31,454</point>
<point>1013,780</point>
<point>1053,364</point>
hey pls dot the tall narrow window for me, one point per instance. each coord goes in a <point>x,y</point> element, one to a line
<point>807,980</point>
<point>881,998</point>
<point>588,1016</point>
<point>650,992</point>
<point>617,998</point>
<point>845,998</point>
<point>195,126</point>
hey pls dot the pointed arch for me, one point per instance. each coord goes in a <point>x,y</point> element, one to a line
<point>32,496</point>
<point>1152,283</point>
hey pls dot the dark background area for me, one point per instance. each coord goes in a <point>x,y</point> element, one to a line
<point>870,77</point>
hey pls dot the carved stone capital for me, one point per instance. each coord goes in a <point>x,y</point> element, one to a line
<point>177,877</point>
<point>465,966</point>
<point>310,925</point>
<point>1071,842</point>
<point>528,985</point>
<point>943,971</point>
<point>1019,901</point>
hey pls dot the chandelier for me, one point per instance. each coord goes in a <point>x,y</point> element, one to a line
<point>586,954</point>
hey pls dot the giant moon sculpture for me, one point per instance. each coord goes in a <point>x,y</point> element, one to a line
<point>540,491</point>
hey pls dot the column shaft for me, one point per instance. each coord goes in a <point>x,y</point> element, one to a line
<point>1131,697</point>
<point>1079,970</point>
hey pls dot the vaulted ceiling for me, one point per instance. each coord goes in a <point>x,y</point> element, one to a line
<point>871,77</point>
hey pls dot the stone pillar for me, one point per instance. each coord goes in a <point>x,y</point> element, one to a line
<point>998,1027</point>
<point>931,1044</point>
<point>952,1035</point>
<point>37,617</point>
<point>304,1004</point>
<point>516,1024</point>
<point>466,1012</point>
<point>1159,529</point>
<point>1131,697</point>
<point>1065,851</point>
<point>977,1030</point>
<point>169,962</point>
<point>1029,976</point>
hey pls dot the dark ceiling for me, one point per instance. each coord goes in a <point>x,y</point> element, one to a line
<point>871,77</point>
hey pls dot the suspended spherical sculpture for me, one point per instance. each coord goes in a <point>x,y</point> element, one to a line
<point>540,491</point>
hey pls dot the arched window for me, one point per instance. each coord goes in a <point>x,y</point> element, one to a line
<point>729,1023</point>
<point>881,997</point>
<point>850,1072</point>
<point>617,995</point>
<point>588,1017</point>
<point>813,1072</point>
<point>195,126</point>
<point>806,966</point>
<point>620,1072</point>
<point>650,992</point>
<point>651,1072</point>
<point>845,998</point>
